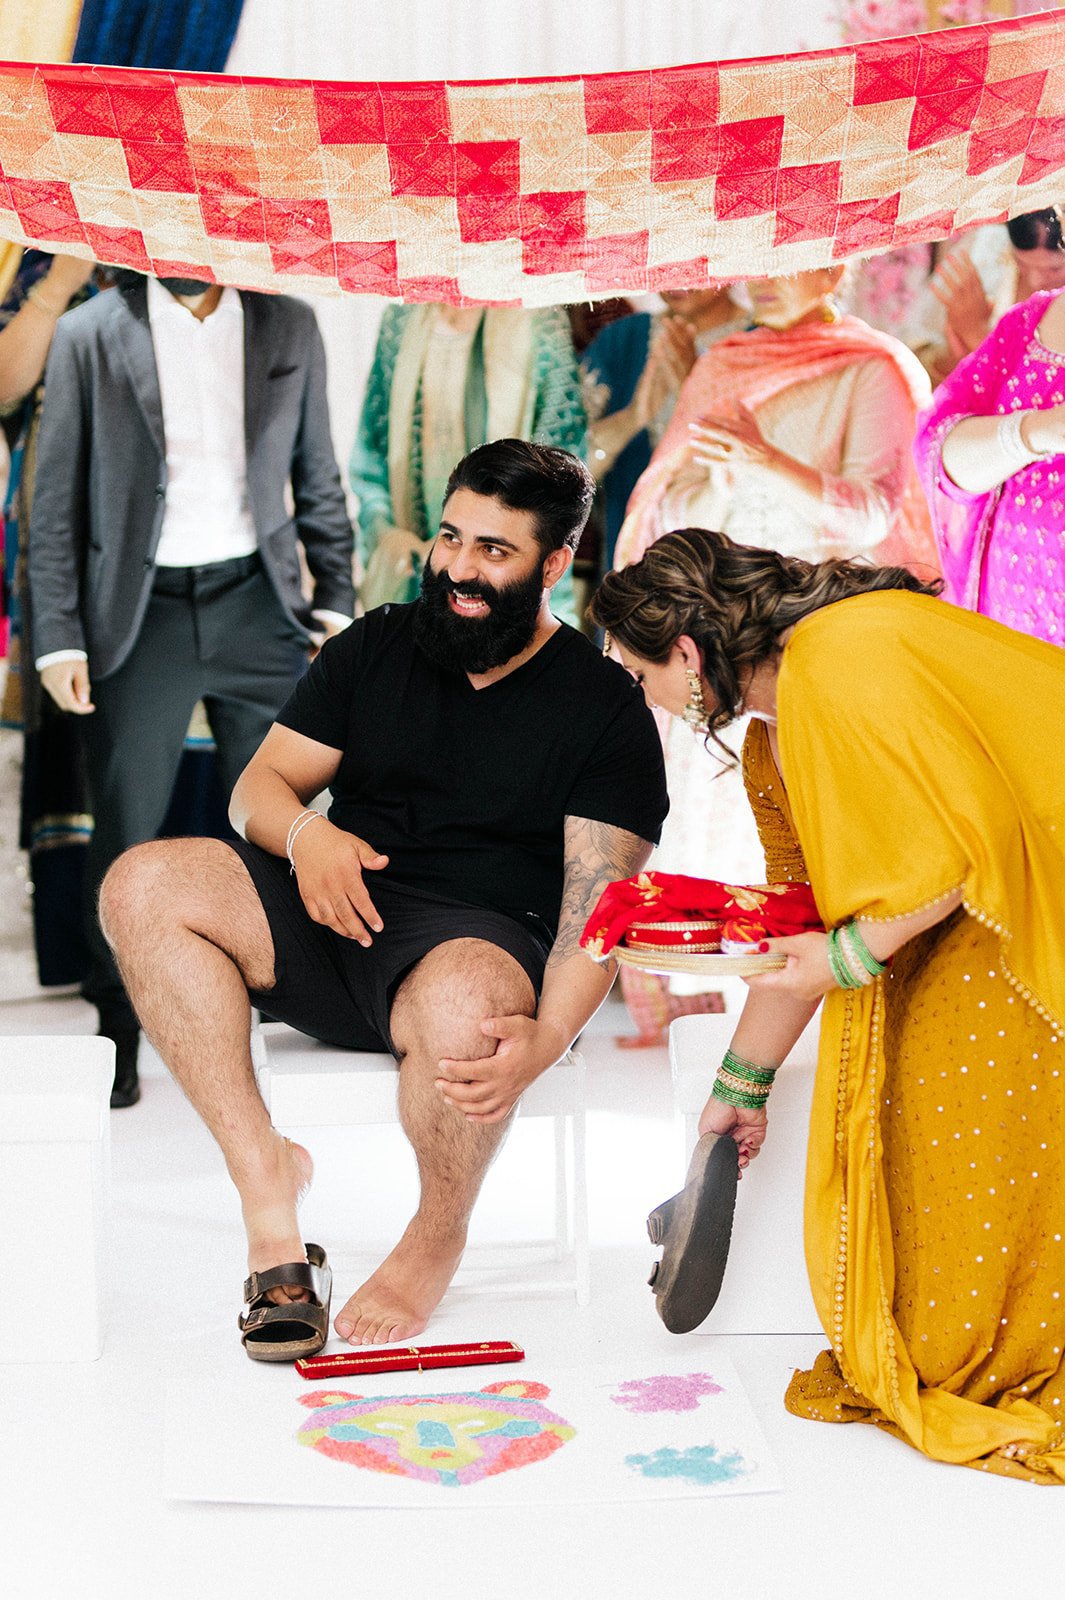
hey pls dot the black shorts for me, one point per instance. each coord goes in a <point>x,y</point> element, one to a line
<point>339,991</point>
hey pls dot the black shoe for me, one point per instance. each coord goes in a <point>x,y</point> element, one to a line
<point>126,1090</point>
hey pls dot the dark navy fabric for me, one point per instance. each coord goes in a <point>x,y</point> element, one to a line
<point>193,37</point>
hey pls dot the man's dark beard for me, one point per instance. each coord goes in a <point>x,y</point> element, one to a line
<point>476,644</point>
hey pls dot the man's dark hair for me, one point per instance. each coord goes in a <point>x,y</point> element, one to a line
<point>1037,230</point>
<point>554,485</point>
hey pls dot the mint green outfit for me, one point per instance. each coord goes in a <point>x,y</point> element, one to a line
<point>548,410</point>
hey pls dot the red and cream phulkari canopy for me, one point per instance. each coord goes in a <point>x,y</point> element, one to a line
<point>537,191</point>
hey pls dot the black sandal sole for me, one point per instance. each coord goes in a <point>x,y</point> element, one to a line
<point>694,1228</point>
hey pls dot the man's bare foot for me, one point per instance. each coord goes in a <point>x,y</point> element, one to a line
<point>401,1296</point>
<point>270,1202</point>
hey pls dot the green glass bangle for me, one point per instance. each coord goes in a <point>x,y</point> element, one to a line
<point>741,1061</point>
<point>747,1069</point>
<point>849,961</point>
<point>843,981</point>
<point>840,970</point>
<point>733,1097</point>
<point>844,976</point>
<point>858,947</point>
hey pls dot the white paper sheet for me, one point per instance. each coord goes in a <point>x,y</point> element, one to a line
<point>535,1432</point>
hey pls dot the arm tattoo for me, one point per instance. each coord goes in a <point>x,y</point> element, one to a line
<point>595,854</point>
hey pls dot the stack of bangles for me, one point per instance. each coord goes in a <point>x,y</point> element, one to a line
<point>852,962</point>
<point>303,820</point>
<point>747,1085</point>
<point>742,1083</point>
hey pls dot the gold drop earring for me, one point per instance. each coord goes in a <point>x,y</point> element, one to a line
<point>695,711</point>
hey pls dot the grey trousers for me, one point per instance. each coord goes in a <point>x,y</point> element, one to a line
<point>214,633</point>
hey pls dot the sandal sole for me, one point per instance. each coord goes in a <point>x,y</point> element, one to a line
<point>694,1228</point>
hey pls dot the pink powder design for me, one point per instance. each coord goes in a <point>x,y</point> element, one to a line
<point>670,1392</point>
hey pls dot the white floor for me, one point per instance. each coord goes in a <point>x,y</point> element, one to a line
<point>81,1446</point>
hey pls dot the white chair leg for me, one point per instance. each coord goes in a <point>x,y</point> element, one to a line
<point>580,1209</point>
<point>562,1209</point>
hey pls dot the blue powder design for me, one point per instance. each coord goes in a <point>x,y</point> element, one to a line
<point>700,1464</point>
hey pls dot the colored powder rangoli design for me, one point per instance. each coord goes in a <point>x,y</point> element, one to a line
<point>670,1392</point>
<point>448,1439</point>
<point>700,1464</point>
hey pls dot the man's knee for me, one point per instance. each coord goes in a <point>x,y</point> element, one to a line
<point>441,1005</point>
<point>168,881</point>
<point>134,887</point>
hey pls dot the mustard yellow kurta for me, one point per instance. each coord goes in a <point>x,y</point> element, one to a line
<point>919,750</point>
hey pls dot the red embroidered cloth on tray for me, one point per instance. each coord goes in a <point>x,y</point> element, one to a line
<point>741,913</point>
<point>537,191</point>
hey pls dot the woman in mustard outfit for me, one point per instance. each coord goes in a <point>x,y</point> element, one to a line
<point>906,758</point>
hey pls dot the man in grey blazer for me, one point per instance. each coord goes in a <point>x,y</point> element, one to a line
<point>184,456</point>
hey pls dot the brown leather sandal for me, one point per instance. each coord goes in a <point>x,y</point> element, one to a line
<point>296,1328</point>
<point>694,1229</point>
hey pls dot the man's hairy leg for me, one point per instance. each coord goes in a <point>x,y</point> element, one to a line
<point>436,1014</point>
<point>191,937</point>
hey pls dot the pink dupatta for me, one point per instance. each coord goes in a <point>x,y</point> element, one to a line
<point>754,367</point>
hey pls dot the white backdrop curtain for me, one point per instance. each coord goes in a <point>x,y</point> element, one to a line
<point>356,40</point>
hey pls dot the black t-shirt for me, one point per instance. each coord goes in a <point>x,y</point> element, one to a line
<point>465,790</point>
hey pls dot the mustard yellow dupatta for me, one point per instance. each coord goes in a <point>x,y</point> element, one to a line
<point>921,751</point>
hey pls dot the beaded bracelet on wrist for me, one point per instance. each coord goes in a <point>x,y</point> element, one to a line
<point>741,1085</point>
<point>302,821</point>
<point>293,825</point>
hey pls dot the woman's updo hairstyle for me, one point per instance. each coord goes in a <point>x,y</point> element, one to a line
<point>733,600</point>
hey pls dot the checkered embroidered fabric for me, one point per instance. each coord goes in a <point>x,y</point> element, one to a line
<point>537,191</point>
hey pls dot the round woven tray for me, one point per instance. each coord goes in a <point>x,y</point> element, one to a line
<point>710,966</point>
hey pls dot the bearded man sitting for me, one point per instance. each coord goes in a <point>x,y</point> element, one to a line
<point>490,773</point>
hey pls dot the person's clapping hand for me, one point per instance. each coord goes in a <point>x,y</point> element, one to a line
<point>655,387</point>
<point>956,285</point>
<point>675,346</point>
<point>670,359</point>
<point>732,441</point>
<point>688,477</point>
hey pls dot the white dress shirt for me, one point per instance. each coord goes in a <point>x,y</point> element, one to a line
<point>200,366</point>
